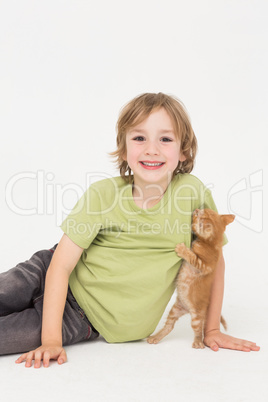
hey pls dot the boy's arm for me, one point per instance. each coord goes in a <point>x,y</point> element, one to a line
<point>64,260</point>
<point>213,337</point>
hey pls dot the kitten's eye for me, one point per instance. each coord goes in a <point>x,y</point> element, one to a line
<point>139,138</point>
<point>207,223</point>
<point>166,139</point>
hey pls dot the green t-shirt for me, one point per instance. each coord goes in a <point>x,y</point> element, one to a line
<point>126,274</point>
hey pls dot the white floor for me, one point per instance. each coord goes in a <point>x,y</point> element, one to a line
<point>170,371</point>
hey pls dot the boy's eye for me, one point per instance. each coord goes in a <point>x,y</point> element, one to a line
<point>166,139</point>
<point>139,138</point>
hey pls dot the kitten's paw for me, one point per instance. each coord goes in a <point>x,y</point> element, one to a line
<point>153,339</point>
<point>198,345</point>
<point>180,249</point>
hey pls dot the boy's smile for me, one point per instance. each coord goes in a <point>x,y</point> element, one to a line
<point>151,165</point>
<point>153,150</point>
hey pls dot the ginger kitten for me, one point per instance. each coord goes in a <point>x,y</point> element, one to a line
<point>196,274</point>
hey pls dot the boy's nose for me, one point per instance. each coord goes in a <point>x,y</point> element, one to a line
<point>151,149</point>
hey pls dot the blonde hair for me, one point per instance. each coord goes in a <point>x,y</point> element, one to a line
<point>137,110</point>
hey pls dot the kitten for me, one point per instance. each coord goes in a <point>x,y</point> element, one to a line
<point>196,274</point>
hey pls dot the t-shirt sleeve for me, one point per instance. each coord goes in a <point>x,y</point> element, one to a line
<point>85,220</point>
<point>208,202</point>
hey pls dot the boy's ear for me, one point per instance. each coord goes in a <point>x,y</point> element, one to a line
<point>182,158</point>
<point>124,156</point>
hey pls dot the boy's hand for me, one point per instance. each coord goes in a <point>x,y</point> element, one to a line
<point>45,353</point>
<point>216,339</point>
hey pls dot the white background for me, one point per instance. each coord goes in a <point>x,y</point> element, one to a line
<point>66,69</point>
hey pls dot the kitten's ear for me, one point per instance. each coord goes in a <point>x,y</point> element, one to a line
<point>227,219</point>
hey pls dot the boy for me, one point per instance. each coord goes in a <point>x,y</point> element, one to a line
<point>116,261</point>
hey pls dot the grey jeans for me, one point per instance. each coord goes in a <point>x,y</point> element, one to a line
<point>21,305</point>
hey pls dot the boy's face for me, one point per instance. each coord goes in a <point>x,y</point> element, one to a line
<point>153,150</point>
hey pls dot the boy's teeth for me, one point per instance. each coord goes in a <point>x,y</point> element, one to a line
<point>152,164</point>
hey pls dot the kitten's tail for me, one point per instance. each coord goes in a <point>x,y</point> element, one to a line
<point>224,323</point>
